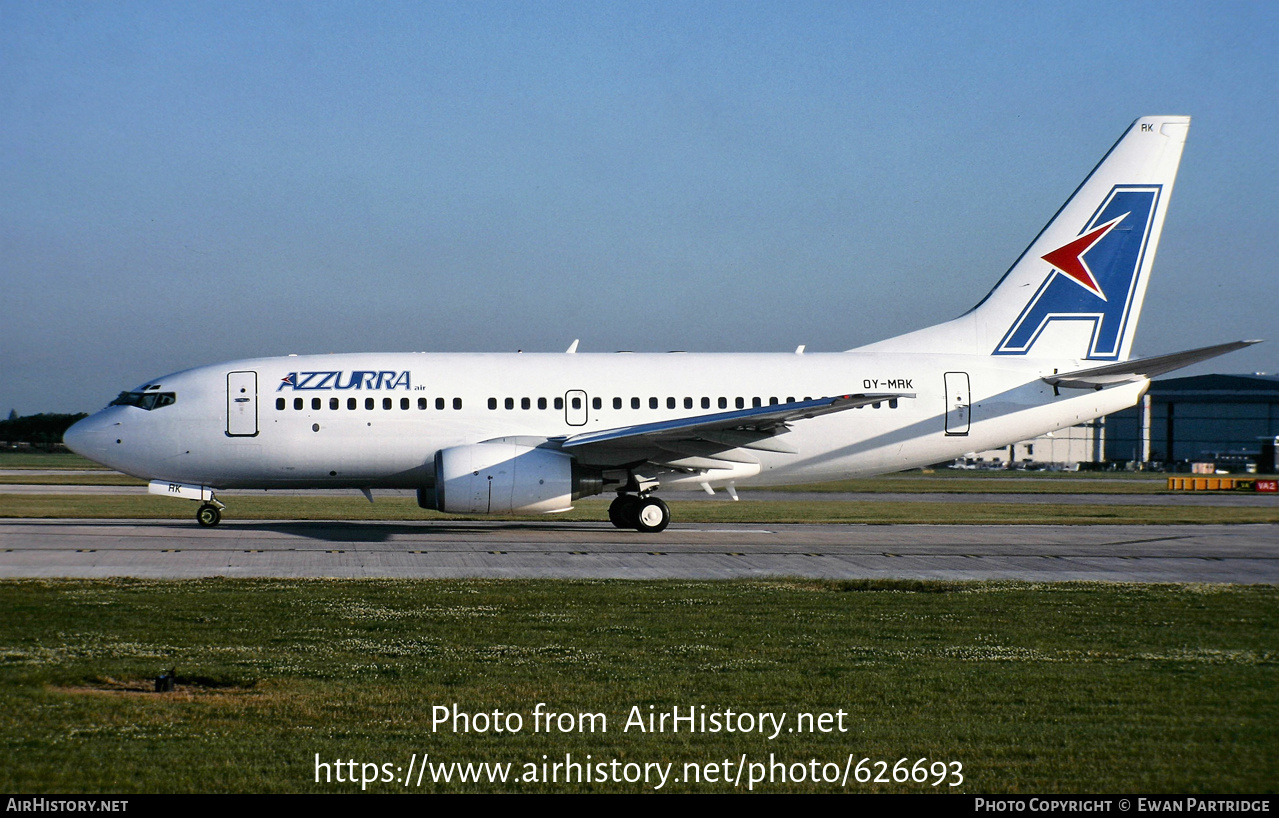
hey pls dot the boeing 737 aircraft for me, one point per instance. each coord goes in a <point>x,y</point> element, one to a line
<point>1047,348</point>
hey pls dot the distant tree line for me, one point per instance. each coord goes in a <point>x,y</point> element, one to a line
<point>43,431</point>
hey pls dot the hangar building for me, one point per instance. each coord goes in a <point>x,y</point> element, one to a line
<point>1226,419</point>
<point>1231,421</point>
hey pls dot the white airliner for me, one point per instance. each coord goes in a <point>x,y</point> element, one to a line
<point>1047,348</point>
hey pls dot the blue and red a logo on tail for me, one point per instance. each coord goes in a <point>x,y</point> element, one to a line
<point>1094,276</point>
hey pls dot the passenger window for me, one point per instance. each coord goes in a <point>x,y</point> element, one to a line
<point>596,403</point>
<point>617,403</point>
<point>525,403</point>
<point>279,403</point>
<point>421,403</point>
<point>510,403</point>
<point>740,403</point>
<point>789,399</point>
<point>541,403</point>
<point>756,403</point>
<point>670,403</point>
<point>297,403</point>
<point>772,401</point>
<point>577,403</point>
<point>706,403</point>
<point>404,403</point>
<point>439,404</point>
<point>457,403</point>
<point>315,403</point>
<point>652,403</point>
<point>559,404</point>
<point>635,403</point>
<point>723,403</point>
<point>334,403</point>
<point>688,403</point>
<point>492,403</point>
<point>368,403</point>
<point>386,403</point>
<point>350,403</point>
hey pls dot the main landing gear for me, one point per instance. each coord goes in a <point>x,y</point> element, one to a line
<point>209,514</point>
<point>644,514</point>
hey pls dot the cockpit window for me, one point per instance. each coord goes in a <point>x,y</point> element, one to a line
<point>145,400</point>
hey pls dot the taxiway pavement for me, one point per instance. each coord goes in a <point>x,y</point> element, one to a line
<point>181,549</point>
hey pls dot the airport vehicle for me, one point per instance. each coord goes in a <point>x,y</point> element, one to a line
<point>1047,348</point>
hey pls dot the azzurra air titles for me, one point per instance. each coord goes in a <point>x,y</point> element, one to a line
<point>341,379</point>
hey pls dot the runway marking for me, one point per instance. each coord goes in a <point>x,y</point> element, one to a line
<point>1151,539</point>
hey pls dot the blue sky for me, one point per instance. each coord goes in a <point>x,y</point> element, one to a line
<point>184,183</point>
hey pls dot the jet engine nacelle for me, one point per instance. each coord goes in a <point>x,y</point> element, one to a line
<point>503,478</point>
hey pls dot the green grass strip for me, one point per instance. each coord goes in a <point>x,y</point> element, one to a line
<point>1076,687</point>
<point>46,460</point>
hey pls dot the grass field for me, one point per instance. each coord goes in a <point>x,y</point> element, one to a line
<point>1032,688</point>
<point>46,460</point>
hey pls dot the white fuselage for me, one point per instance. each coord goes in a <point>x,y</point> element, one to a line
<point>377,420</point>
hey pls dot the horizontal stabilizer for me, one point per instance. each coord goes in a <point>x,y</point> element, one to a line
<point>1129,371</point>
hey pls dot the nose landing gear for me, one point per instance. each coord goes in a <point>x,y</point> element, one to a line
<point>209,514</point>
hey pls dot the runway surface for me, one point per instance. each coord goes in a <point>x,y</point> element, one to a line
<point>180,549</point>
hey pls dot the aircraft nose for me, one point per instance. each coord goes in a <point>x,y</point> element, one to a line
<point>76,437</point>
<point>85,438</point>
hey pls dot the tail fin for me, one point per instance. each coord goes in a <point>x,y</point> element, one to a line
<point>1077,291</point>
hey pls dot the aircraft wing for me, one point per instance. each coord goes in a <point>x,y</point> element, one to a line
<point>701,440</point>
<point>1128,371</point>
